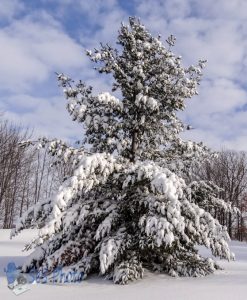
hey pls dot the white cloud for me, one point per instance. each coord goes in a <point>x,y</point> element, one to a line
<point>48,117</point>
<point>10,8</point>
<point>32,49</point>
<point>234,9</point>
<point>217,96</point>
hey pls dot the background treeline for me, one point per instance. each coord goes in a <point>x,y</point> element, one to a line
<point>28,175</point>
<point>228,170</point>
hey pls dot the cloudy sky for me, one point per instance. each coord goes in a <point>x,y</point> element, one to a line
<point>41,37</point>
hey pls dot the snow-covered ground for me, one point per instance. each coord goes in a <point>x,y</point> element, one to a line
<point>231,283</point>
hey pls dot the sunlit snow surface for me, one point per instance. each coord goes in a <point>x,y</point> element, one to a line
<point>230,283</point>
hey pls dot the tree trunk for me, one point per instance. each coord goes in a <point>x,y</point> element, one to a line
<point>133,146</point>
<point>230,224</point>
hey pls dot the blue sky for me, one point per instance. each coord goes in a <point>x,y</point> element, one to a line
<point>41,37</point>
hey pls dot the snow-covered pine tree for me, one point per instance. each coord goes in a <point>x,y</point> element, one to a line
<point>127,206</point>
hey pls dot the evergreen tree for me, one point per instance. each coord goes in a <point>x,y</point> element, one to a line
<point>127,206</point>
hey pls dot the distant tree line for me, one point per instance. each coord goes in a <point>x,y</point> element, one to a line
<point>228,170</point>
<point>27,174</point>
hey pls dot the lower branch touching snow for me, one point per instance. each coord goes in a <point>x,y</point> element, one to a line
<point>128,270</point>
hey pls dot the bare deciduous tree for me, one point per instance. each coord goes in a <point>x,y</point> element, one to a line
<point>26,174</point>
<point>229,171</point>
